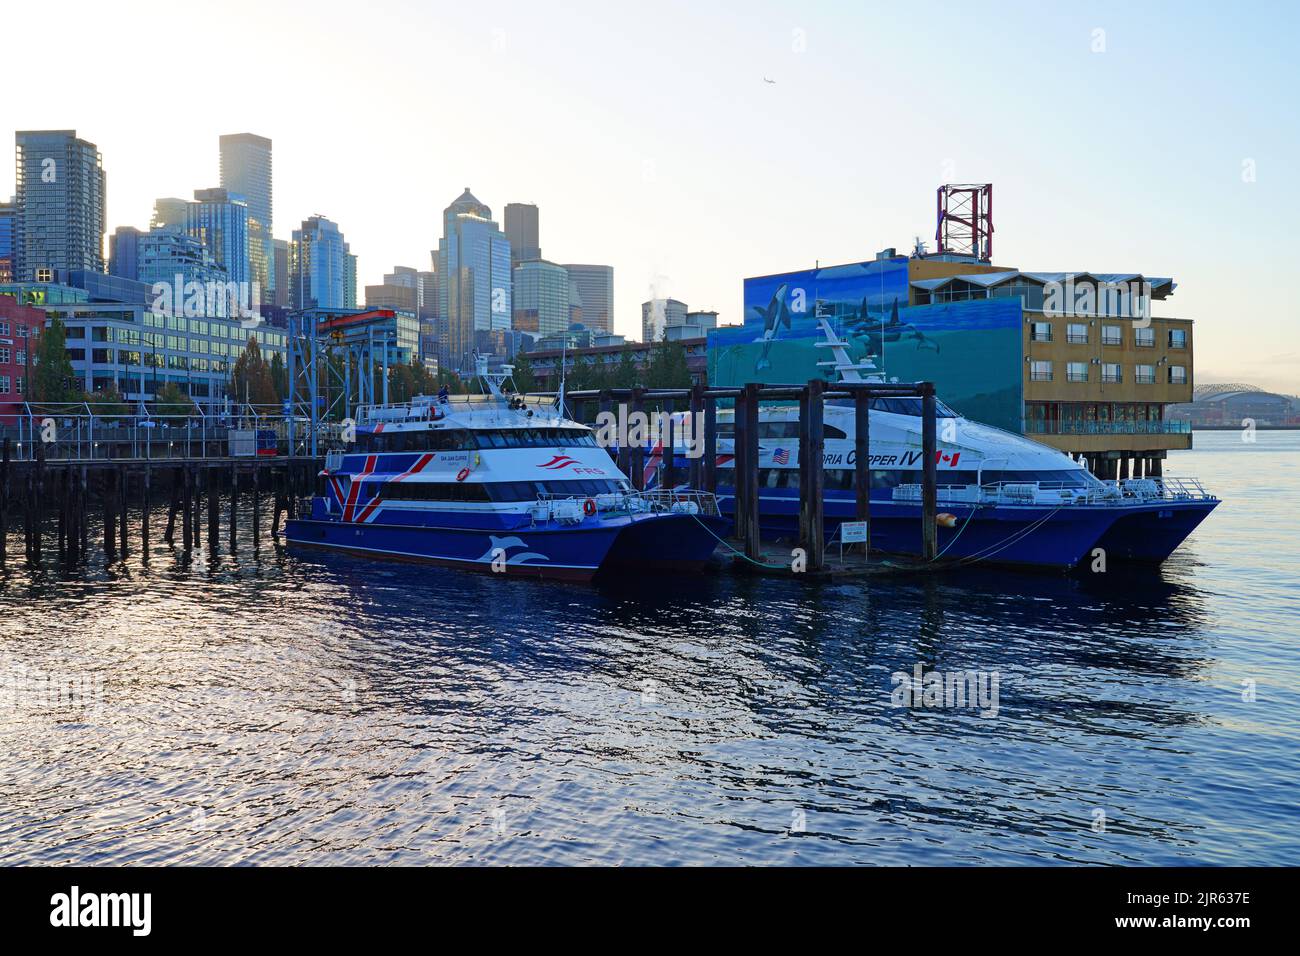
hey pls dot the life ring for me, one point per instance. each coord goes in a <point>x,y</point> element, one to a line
<point>589,507</point>
<point>462,474</point>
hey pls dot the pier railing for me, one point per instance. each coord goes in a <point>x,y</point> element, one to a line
<point>81,432</point>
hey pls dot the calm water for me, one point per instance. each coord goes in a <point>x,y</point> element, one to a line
<point>285,709</point>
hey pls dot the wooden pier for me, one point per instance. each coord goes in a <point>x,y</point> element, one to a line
<point>703,401</point>
<point>80,497</point>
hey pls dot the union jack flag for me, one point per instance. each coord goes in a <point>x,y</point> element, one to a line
<point>781,457</point>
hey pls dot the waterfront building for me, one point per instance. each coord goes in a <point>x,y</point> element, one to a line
<point>219,220</point>
<point>541,297</point>
<point>474,287</point>
<point>19,326</point>
<point>246,170</point>
<point>60,222</point>
<point>322,269</point>
<point>521,228</point>
<point>594,294</point>
<point>123,344</point>
<point>8,226</point>
<point>1073,359</point>
<point>387,331</point>
<point>658,314</point>
<point>606,351</point>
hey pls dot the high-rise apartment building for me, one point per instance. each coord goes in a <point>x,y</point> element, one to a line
<point>246,171</point>
<point>60,220</point>
<point>657,315</point>
<point>219,220</point>
<point>322,269</point>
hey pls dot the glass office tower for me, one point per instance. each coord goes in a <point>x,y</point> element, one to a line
<point>60,221</point>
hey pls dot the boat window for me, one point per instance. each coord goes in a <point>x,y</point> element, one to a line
<point>910,406</point>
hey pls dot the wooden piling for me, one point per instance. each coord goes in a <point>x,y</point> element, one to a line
<point>862,462</point>
<point>173,506</point>
<point>669,445</point>
<point>110,520</point>
<point>123,477</point>
<point>187,508</point>
<point>234,505</point>
<point>637,461</point>
<point>146,503</point>
<point>214,518</point>
<point>4,499</point>
<point>929,476</point>
<point>257,506</point>
<point>812,530</point>
<point>711,444</point>
<point>747,524</point>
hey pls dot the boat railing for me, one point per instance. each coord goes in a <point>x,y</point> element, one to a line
<point>1126,490</point>
<point>567,508</point>
<point>431,407</point>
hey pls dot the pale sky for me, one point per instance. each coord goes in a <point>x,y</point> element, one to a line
<point>1165,144</point>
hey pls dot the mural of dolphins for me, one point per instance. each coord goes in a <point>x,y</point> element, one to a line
<point>774,316</point>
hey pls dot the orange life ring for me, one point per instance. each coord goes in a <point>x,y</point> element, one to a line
<point>589,507</point>
<point>462,474</point>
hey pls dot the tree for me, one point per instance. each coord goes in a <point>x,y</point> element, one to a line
<point>171,402</point>
<point>279,377</point>
<point>251,381</point>
<point>668,368</point>
<point>53,379</point>
<point>107,404</point>
<point>524,377</point>
<point>627,375</point>
<point>407,381</point>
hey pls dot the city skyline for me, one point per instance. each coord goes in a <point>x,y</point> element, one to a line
<point>690,183</point>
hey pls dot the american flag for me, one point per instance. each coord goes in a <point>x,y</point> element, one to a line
<point>781,457</point>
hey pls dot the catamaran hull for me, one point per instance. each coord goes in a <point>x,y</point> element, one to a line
<point>669,543</point>
<point>1151,533</point>
<point>570,554</point>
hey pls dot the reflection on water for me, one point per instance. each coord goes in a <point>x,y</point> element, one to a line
<point>281,708</point>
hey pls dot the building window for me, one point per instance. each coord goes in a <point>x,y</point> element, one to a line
<point>1112,372</point>
<point>1041,332</point>
<point>1177,375</point>
<point>1112,335</point>
<point>1144,374</point>
<point>1144,338</point>
<point>1076,372</point>
<point>20,357</point>
<point>4,328</point>
<point>4,356</point>
<point>1040,371</point>
<point>1177,340</point>
<point>1076,333</point>
<point>4,384</point>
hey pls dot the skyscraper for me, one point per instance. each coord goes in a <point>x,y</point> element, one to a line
<point>246,171</point>
<point>541,297</point>
<point>322,269</point>
<point>61,193</point>
<point>219,219</point>
<point>595,285</point>
<point>473,282</point>
<point>280,249</point>
<point>521,229</point>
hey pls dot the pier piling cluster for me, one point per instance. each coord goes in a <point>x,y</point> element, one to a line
<point>67,493</point>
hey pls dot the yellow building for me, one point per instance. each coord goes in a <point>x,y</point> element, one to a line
<point>1099,369</point>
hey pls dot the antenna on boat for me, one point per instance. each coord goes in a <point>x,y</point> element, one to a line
<point>564,351</point>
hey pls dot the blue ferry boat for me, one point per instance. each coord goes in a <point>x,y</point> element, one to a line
<point>1002,498</point>
<point>498,482</point>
